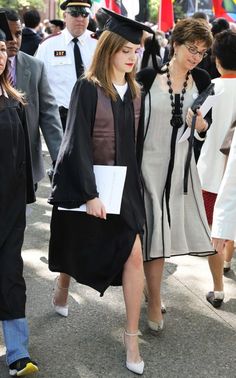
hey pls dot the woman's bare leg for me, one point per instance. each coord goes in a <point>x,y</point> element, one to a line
<point>154,272</point>
<point>133,282</point>
<point>61,290</point>
<point>216,264</point>
<point>229,250</point>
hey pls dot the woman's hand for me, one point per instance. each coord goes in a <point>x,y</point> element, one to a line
<point>218,244</point>
<point>200,125</point>
<point>96,208</point>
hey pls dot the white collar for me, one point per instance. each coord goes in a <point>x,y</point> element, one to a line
<point>82,38</point>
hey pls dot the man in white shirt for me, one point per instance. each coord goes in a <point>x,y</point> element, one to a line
<point>57,52</point>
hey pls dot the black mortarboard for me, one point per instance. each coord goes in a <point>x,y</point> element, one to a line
<point>74,3</point>
<point>2,35</point>
<point>57,22</point>
<point>5,27</point>
<point>129,29</point>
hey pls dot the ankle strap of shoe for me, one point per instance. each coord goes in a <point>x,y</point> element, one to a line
<point>131,333</point>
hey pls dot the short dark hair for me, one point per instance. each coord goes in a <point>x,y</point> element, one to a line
<point>200,15</point>
<point>224,49</point>
<point>218,25</point>
<point>190,30</point>
<point>11,15</point>
<point>31,18</point>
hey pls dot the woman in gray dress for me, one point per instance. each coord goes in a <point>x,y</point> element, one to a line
<point>176,221</point>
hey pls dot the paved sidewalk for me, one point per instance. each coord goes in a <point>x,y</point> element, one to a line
<point>197,341</point>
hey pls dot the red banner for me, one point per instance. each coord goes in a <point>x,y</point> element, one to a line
<point>226,9</point>
<point>166,15</point>
<point>114,5</point>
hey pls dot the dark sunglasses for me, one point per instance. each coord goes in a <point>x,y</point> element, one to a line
<point>77,13</point>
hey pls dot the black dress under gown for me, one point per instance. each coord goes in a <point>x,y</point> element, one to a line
<point>90,249</point>
<point>16,188</point>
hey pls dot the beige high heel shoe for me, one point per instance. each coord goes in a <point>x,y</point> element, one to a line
<point>59,309</point>
<point>156,326</point>
<point>135,367</point>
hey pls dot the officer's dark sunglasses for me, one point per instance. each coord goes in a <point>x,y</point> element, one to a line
<point>77,13</point>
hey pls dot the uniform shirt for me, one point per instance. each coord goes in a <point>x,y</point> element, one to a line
<point>57,53</point>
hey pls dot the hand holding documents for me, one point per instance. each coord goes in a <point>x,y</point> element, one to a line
<point>110,181</point>
<point>204,109</point>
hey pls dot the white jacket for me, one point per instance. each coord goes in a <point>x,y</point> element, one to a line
<point>224,218</point>
<point>211,163</point>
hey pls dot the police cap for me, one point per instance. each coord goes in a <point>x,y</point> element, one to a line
<point>74,3</point>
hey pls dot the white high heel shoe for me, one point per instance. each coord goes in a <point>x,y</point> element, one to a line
<point>61,310</point>
<point>135,367</point>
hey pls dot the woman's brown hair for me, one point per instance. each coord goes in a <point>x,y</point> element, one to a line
<point>190,30</point>
<point>100,70</point>
<point>11,92</point>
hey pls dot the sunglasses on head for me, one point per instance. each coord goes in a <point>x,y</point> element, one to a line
<point>77,13</point>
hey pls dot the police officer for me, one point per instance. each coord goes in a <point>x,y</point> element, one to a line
<point>65,58</point>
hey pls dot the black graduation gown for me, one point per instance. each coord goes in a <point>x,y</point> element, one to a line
<point>92,250</point>
<point>16,188</point>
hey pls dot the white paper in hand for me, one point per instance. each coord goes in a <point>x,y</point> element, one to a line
<point>110,181</point>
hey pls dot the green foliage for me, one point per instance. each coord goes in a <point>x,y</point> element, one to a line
<point>178,12</point>
<point>22,4</point>
<point>153,6</point>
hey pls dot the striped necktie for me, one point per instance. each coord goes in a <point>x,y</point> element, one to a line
<point>10,73</point>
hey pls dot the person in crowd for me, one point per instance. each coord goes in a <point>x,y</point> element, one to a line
<point>16,188</point>
<point>208,63</point>
<point>45,28</point>
<point>224,216</point>
<point>96,248</point>
<point>151,54</point>
<point>56,26</point>
<point>67,54</point>
<point>212,162</point>
<point>101,18</point>
<point>201,15</point>
<point>164,46</point>
<point>30,36</point>
<point>28,75</point>
<point>176,222</point>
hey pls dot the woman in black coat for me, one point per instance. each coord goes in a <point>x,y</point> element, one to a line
<point>16,189</point>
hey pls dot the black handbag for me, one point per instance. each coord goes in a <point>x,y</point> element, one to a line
<point>202,97</point>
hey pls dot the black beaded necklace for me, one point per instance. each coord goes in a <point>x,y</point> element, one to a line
<point>177,119</point>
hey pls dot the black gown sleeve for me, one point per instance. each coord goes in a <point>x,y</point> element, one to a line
<point>74,181</point>
<point>30,192</point>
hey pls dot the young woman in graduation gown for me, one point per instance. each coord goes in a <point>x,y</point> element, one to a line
<point>96,248</point>
<point>16,189</point>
